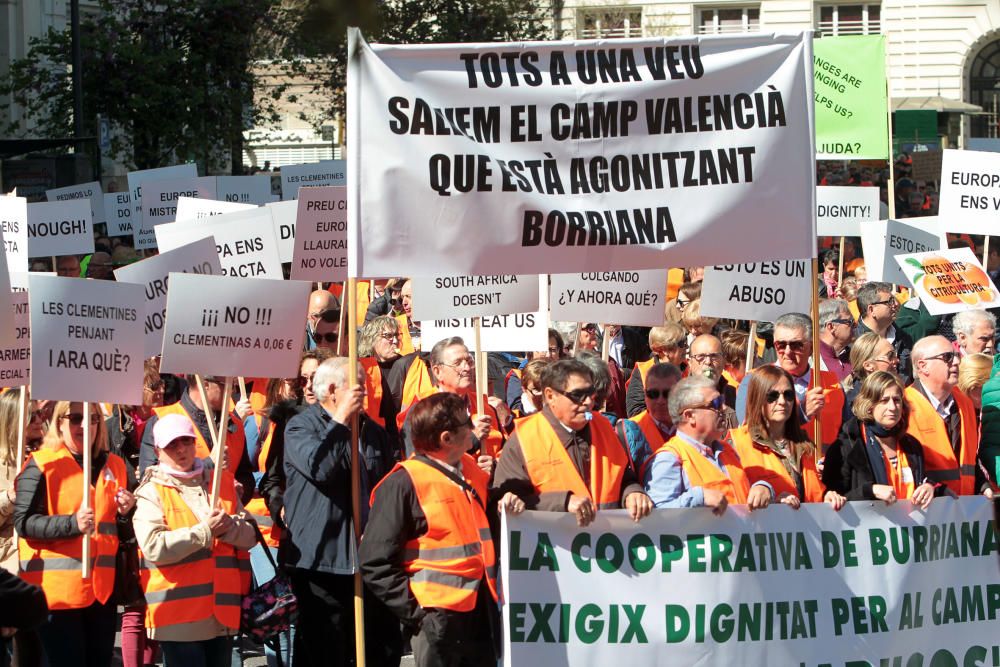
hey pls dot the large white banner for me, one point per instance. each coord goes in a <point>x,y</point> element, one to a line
<point>86,340</point>
<point>760,291</point>
<point>232,326</point>
<point>868,586</point>
<point>622,297</point>
<point>840,211</point>
<point>90,191</point>
<point>486,159</point>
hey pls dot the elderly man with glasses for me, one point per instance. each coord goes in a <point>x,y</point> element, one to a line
<point>878,308</point>
<point>943,419</point>
<point>567,458</point>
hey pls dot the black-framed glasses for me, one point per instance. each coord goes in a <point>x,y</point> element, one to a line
<point>891,303</point>
<point>76,418</point>
<point>946,357</point>
<point>708,357</point>
<point>772,396</point>
<point>843,320</point>
<point>654,394</point>
<point>578,396</point>
<point>303,381</point>
<point>793,345</point>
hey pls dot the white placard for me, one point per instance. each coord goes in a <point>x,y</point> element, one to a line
<point>190,208</point>
<point>14,225</point>
<point>970,191</point>
<point>324,172</point>
<point>199,257</point>
<point>86,342</point>
<point>618,297</point>
<point>7,315</point>
<point>949,281</point>
<point>760,291</point>
<point>284,214</point>
<point>527,332</point>
<point>320,248</point>
<point>136,179</point>
<point>60,228</point>
<point>232,326</point>
<point>15,355</point>
<point>841,211</point>
<point>902,238</point>
<point>119,211</point>
<point>694,151</point>
<point>159,198</point>
<point>873,248</point>
<point>91,191</point>
<point>244,240</point>
<point>244,189</point>
<point>445,297</point>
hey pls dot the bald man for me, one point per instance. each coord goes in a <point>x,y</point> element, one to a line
<point>99,266</point>
<point>322,305</point>
<point>705,358</point>
<point>68,266</point>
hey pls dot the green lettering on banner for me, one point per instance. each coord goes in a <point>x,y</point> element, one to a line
<point>641,553</point>
<point>910,617</point>
<point>545,555</point>
<point>517,561</point>
<point>721,548</point>
<point>678,623</point>
<point>541,629</point>
<point>609,542</point>
<point>515,618</point>
<point>576,549</point>
<point>672,550</point>
<point>877,539</point>
<point>586,631</point>
<point>696,551</point>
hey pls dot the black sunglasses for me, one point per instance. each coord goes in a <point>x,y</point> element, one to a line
<point>772,396</point>
<point>653,394</point>
<point>946,357</point>
<point>578,396</point>
<point>794,345</point>
<point>328,337</point>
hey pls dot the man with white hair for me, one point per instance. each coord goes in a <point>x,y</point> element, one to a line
<point>320,549</point>
<point>974,332</point>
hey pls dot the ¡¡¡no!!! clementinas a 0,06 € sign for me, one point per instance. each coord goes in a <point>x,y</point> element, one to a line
<point>949,281</point>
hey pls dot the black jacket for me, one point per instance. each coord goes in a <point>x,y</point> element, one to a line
<point>318,487</point>
<point>124,441</point>
<point>272,484</point>
<point>847,470</point>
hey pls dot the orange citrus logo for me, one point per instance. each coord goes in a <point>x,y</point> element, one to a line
<point>952,282</point>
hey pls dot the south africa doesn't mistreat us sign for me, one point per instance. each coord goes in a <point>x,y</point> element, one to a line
<point>561,157</point>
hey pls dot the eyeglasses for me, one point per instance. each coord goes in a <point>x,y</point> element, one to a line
<point>891,303</point>
<point>578,396</point>
<point>654,394</point>
<point>680,303</point>
<point>888,357</point>
<point>554,350</point>
<point>390,336</point>
<point>715,406</point>
<point>946,357</point>
<point>793,345</point>
<point>708,357</point>
<point>843,320</point>
<point>303,380</point>
<point>76,418</point>
<point>772,396</point>
<point>327,337</point>
<point>155,389</point>
<point>590,328</point>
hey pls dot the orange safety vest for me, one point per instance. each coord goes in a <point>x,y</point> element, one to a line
<point>940,463</point>
<point>447,562</point>
<point>405,342</point>
<point>730,380</point>
<point>763,464</point>
<point>833,409</point>
<point>494,441</point>
<point>643,368</point>
<point>550,468</point>
<point>675,278</point>
<point>55,565</point>
<point>649,429</point>
<point>900,475</point>
<point>704,473</point>
<point>236,440</point>
<point>417,384</point>
<point>257,507</point>
<point>207,582</point>
<point>373,389</point>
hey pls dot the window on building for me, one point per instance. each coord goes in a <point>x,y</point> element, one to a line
<point>611,23</point>
<point>728,20</point>
<point>850,20</point>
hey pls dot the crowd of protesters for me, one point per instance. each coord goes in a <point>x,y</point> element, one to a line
<point>692,413</point>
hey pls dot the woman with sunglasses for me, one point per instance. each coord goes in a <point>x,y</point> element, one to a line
<point>772,446</point>
<point>51,523</point>
<point>874,458</point>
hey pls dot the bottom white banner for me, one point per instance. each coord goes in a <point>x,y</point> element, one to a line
<point>867,586</point>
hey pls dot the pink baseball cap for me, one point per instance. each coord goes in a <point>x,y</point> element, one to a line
<point>170,427</point>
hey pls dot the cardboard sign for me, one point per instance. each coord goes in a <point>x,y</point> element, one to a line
<point>86,342</point>
<point>621,297</point>
<point>232,326</point>
<point>284,216</point>
<point>14,227</point>
<point>190,208</point>
<point>136,179</point>
<point>324,172</point>
<point>444,297</point>
<point>90,191</point>
<point>902,238</point>
<point>60,228</point>
<point>949,281</point>
<point>527,332</point>
<point>199,257</point>
<point>244,189</point>
<point>841,211</point>
<point>15,355</point>
<point>555,164</point>
<point>760,291</point>
<point>118,209</point>
<point>970,191</point>
<point>244,240</point>
<point>320,242</point>
<point>926,165</point>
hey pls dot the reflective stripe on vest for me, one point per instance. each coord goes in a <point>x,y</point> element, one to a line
<point>702,472</point>
<point>55,565</point>
<point>550,468</point>
<point>447,563</point>
<point>207,582</point>
<point>940,464</point>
